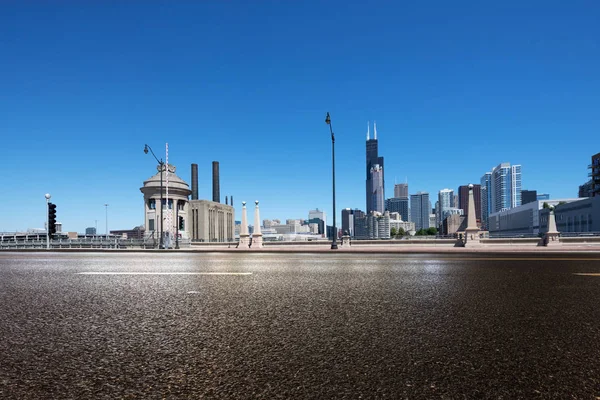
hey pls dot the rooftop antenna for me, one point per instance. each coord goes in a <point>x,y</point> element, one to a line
<point>375,130</point>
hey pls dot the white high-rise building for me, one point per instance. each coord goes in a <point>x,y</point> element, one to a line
<point>506,187</point>
<point>500,190</point>
<point>377,195</point>
<point>445,202</point>
<point>516,186</point>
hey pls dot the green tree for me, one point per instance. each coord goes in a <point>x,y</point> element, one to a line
<point>431,231</point>
<point>401,232</point>
<point>393,232</point>
<point>421,232</point>
<point>545,205</point>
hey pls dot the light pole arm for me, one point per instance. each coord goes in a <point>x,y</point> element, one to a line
<point>161,163</point>
<point>146,148</point>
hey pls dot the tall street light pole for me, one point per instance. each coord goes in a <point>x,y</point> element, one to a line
<point>106,216</point>
<point>334,241</point>
<point>47,196</point>
<point>161,164</point>
<point>177,225</point>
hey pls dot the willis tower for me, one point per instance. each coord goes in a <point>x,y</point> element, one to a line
<point>375,177</point>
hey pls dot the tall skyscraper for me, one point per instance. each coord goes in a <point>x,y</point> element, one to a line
<point>377,201</point>
<point>506,187</point>
<point>420,208</point>
<point>373,159</point>
<point>348,221</point>
<point>516,186</point>
<point>486,199</point>
<point>401,190</point>
<point>445,203</point>
<point>399,205</point>
<point>502,190</point>
<point>463,199</point>
<point>349,218</point>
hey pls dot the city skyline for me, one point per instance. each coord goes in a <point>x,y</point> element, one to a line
<point>84,90</point>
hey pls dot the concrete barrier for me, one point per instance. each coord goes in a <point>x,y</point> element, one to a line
<point>589,240</point>
<point>511,241</point>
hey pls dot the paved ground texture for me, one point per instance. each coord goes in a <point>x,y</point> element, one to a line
<point>308,326</point>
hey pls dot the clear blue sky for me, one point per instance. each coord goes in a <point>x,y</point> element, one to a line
<point>455,87</point>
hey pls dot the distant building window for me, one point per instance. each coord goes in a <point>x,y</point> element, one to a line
<point>152,204</point>
<point>180,205</point>
<point>151,224</point>
<point>164,202</point>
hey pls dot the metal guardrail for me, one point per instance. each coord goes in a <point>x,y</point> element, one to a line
<point>517,236</point>
<point>115,243</point>
<point>119,243</point>
<point>579,234</point>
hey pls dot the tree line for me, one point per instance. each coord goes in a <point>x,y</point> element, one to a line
<point>400,232</point>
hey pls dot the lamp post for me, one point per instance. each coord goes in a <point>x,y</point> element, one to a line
<point>177,224</point>
<point>47,196</point>
<point>106,219</point>
<point>334,241</point>
<point>161,163</point>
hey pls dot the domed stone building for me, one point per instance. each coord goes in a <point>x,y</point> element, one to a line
<point>195,220</point>
<point>174,211</point>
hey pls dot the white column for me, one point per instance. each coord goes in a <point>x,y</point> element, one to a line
<point>244,236</point>
<point>551,237</point>
<point>472,231</point>
<point>257,241</point>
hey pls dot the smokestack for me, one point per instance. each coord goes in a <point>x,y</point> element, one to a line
<point>194,181</point>
<point>226,203</point>
<point>216,188</point>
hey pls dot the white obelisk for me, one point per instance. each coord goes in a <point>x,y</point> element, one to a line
<point>244,236</point>
<point>472,231</point>
<point>257,241</point>
<point>551,238</point>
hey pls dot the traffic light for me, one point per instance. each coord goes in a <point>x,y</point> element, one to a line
<point>181,225</point>
<point>51,218</point>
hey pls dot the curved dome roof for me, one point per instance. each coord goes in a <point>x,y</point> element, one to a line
<point>175,182</point>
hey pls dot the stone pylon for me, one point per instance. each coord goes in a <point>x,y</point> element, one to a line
<point>257,241</point>
<point>244,236</point>
<point>551,237</point>
<point>472,232</point>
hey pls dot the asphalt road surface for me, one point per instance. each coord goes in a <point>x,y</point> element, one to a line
<point>309,326</point>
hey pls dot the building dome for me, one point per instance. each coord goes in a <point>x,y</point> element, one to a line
<point>176,184</point>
